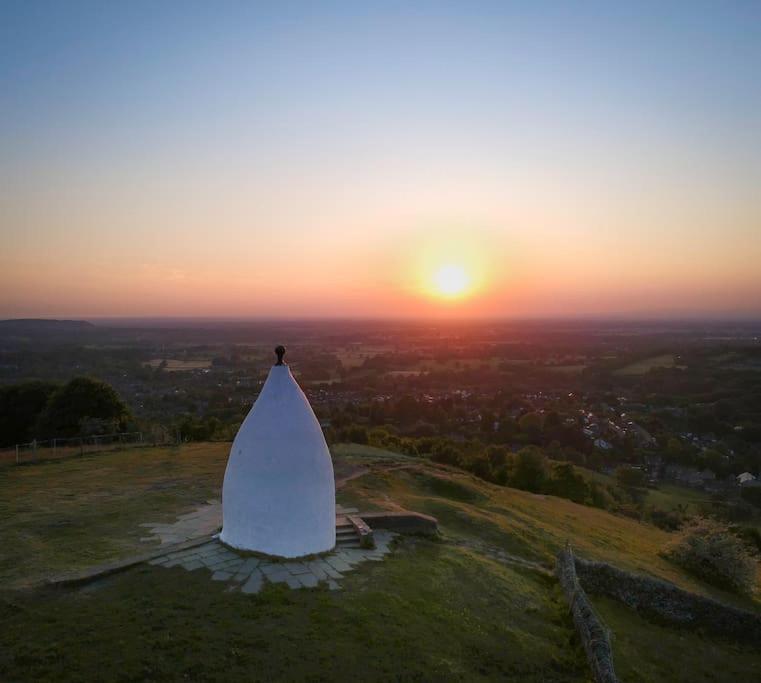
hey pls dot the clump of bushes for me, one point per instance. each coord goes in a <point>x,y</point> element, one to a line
<point>712,552</point>
<point>669,520</point>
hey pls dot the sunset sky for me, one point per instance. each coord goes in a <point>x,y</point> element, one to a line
<point>380,159</point>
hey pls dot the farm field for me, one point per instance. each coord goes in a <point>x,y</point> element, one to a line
<point>176,365</point>
<point>641,367</point>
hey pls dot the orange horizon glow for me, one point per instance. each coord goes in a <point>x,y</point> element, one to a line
<point>454,273</point>
<point>380,161</point>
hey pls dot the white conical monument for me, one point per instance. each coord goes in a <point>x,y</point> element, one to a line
<point>279,494</point>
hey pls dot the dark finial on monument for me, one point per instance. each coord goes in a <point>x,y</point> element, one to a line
<point>280,351</point>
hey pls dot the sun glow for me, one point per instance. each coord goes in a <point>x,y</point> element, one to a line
<point>449,268</point>
<point>451,281</point>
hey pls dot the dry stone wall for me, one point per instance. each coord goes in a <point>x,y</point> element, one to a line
<point>592,632</point>
<point>663,600</point>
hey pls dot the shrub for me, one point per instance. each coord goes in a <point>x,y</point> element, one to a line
<point>712,552</point>
<point>670,520</point>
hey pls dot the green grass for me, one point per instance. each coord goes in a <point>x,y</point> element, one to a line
<point>644,651</point>
<point>670,497</point>
<point>429,612</point>
<point>433,610</point>
<point>535,526</point>
<point>666,496</point>
<point>70,514</point>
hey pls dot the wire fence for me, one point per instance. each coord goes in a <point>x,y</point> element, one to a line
<point>52,449</point>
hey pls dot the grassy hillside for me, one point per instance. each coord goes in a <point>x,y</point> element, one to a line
<point>531,525</point>
<point>463,607</point>
<point>69,514</point>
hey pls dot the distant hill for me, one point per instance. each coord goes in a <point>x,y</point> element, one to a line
<point>44,325</point>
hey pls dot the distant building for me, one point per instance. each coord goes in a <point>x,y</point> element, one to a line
<point>746,479</point>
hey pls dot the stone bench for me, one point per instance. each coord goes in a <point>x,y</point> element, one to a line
<point>402,522</point>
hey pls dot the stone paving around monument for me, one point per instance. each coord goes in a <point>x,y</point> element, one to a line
<point>202,521</point>
<point>249,574</point>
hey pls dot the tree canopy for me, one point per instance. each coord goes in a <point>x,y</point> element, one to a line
<point>82,398</point>
<point>20,408</point>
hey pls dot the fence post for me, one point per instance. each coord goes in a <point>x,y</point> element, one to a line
<point>34,448</point>
<point>81,446</point>
<point>54,447</point>
<point>17,454</point>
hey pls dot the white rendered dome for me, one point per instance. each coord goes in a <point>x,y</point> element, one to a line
<point>279,494</point>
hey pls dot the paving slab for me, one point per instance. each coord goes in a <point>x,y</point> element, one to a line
<point>296,568</point>
<point>316,569</point>
<point>191,565</point>
<point>333,573</point>
<point>250,563</point>
<point>293,581</point>
<point>254,583</point>
<point>278,577</point>
<point>270,568</point>
<point>338,564</point>
<point>250,573</point>
<point>308,580</point>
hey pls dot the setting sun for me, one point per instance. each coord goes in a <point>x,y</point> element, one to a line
<point>451,281</point>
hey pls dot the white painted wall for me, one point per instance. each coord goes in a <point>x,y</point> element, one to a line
<point>279,495</point>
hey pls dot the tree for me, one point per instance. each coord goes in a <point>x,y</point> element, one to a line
<point>78,400</point>
<point>715,461</point>
<point>552,420</point>
<point>497,456</point>
<point>529,472</point>
<point>531,425</point>
<point>20,409</point>
<point>355,434</point>
<point>445,453</point>
<point>568,483</point>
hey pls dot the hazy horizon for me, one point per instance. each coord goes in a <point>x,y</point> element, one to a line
<point>435,161</point>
